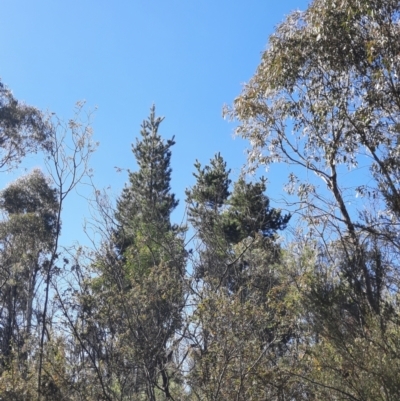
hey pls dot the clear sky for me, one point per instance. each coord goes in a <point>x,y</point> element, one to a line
<point>188,57</point>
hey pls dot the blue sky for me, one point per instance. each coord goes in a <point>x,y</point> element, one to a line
<point>188,57</point>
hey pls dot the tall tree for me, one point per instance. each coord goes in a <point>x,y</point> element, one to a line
<point>333,71</point>
<point>233,331</point>
<point>30,261</point>
<point>27,236</point>
<point>138,294</point>
<point>325,100</point>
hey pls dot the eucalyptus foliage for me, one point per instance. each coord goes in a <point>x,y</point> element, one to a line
<point>23,129</point>
<point>325,102</point>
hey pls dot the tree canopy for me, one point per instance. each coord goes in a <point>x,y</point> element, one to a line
<point>23,129</point>
<point>243,300</point>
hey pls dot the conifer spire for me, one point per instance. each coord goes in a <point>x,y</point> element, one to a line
<point>147,198</point>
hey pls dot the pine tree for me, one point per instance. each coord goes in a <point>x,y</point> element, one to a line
<point>206,201</point>
<point>236,268</point>
<point>138,296</point>
<point>249,211</point>
<point>223,219</point>
<point>147,201</point>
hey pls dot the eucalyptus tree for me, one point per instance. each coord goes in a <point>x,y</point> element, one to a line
<point>23,129</point>
<point>325,101</point>
<point>28,233</point>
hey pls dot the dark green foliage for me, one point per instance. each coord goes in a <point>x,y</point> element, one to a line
<point>205,201</point>
<point>148,198</point>
<point>140,279</point>
<point>212,186</point>
<point>237,259</point>
<point>223,220</point>
<point>249,212</point>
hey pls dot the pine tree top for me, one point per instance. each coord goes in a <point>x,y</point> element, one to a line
<point>147,198</point>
